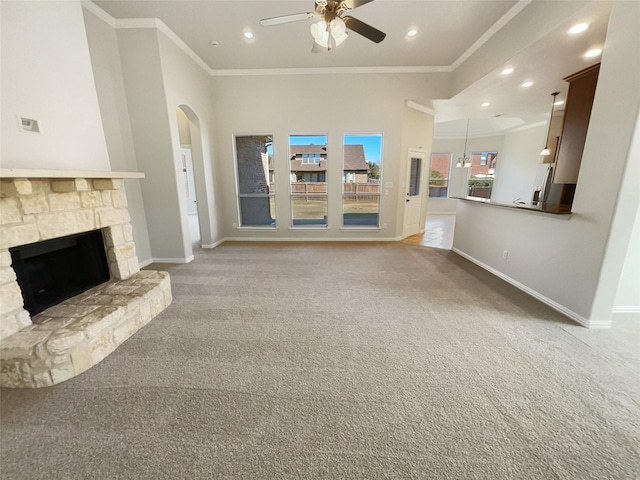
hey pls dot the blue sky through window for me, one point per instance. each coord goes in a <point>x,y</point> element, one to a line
<point>372,145</point>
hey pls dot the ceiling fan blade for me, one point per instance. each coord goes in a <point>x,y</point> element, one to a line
<point>286,18</point>
<point>351,4</point>
<point>364,29</point>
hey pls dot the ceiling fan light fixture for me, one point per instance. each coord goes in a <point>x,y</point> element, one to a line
<point>338,28</point>
<point>320,32</point>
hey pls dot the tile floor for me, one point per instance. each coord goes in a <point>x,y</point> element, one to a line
<point>438,232</point>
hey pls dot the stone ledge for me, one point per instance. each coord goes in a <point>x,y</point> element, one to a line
<point>69,338</point>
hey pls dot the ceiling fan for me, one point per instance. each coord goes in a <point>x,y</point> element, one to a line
<point>330,30</point>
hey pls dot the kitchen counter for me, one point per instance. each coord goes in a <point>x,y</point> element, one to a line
<point>553,209</point>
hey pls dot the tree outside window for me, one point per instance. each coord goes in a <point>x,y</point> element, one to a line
<point>439,175</point>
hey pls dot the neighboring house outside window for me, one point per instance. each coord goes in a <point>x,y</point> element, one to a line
<point>308,163</point>
<point>482,174</point>
<point>439,175</point>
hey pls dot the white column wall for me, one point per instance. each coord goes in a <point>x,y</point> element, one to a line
<point>105,60</point>
<point>48,77</point>
<point>186,83</point>
<point>152,137</point>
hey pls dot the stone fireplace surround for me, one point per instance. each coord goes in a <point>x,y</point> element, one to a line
<point>67,339</point>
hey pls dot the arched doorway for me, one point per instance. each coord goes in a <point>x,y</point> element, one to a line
<point>196,179</point>
<point>188,177</point>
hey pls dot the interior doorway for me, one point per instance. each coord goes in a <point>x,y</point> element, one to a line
<point>190,188</point>
<point>188,177</point>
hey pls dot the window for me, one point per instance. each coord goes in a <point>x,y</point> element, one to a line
<point>254,172</point>
<point>414,176</point>
<point>439,175</point>
<point>308,173</point>
<point>361,169</point>
<point>310,158</point>
<point>482,174</point>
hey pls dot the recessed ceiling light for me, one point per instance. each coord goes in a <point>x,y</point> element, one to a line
<point>507,71</point>
<point>486,104</point>
<point>593,53</point>
<point>412,33</point>
<point>580,27</point>
<point>248,35</point>
<point>214,43</point>
<point>527,84</point>
<point>559,102</point>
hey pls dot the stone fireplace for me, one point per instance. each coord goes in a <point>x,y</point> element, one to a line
<point>68,338</point>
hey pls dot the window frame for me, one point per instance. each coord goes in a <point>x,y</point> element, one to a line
<point>489,175</point>
<point>447,180</point>
<point>318,157</point>
<point>270,195</point>
<point>344,177</point>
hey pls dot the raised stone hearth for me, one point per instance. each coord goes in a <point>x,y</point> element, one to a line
<point>76,334</point>
<point>69,338</point>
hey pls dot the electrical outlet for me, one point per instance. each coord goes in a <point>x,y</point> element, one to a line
<point>384,225</point>
<point>505,254</point>
<point>233,225</point>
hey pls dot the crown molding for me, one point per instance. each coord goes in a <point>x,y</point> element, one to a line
<point>326,71</point>
<point>420,108</point>
<point>491,31</point>
<point>100,13</point>
<point>125,23</point>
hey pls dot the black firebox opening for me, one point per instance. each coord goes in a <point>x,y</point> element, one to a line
<point>51,271</point>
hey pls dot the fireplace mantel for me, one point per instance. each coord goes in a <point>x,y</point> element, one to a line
<point>35,173</point>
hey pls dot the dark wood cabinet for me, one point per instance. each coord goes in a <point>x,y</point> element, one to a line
<point>582,88</point>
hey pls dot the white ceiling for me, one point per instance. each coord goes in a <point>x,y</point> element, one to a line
<point>448,30</point>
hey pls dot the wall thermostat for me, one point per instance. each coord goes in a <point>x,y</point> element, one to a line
<point>28,125</point>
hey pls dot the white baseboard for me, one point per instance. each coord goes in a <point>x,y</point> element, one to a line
<point>546,300</point>
<point>189,259</point>
<point>213,245</point>
<point>145,263</point>
<point>310,239</point>
<point>440,213</point>
<point>626,313</point>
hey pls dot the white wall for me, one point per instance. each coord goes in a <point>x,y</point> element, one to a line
<point>627,300</point>
<point>46,76</point>
<point>517,163</point>
<point>575,262</point>
<point>105,60</point>
<point>312,104</point>
<point>184,130</point>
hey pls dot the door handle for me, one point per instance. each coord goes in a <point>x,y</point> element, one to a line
<point>407,200</point>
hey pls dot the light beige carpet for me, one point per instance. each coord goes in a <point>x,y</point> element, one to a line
<point>340,361</point>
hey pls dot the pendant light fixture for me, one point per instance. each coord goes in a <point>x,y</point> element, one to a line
<point>545,151</point>
<point>464,161</point>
